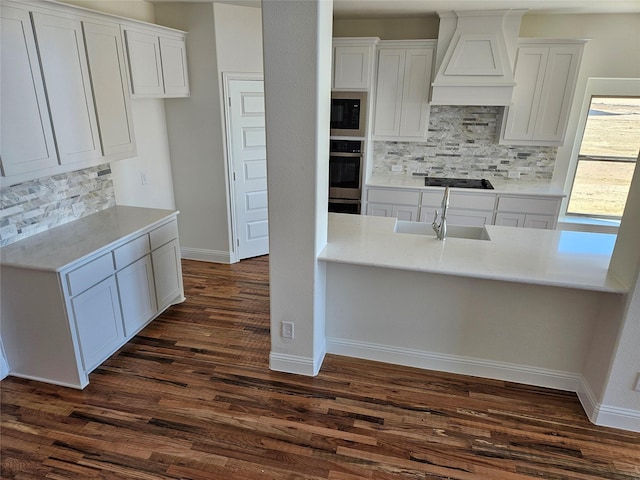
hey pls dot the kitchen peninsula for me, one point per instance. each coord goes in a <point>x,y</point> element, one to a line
<point>74,294</point>
<point>522,306</point>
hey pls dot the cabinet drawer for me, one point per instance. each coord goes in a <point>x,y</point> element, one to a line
<point>89,274</point>
<point>540,206</point>
<point>131,251</point>
<point>163,234</point>
<point>397,197</point>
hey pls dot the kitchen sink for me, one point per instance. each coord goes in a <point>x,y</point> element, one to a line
<point>453,231</point>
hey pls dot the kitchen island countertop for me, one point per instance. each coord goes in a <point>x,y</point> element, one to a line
<point>500,186</point>
<point>558,258</point>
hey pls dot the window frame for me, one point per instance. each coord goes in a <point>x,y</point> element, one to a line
<point>596,87</point>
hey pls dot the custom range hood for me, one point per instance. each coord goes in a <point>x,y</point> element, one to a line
<point>475,57</point>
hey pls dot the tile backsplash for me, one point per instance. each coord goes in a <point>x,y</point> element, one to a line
<point>38,205</point>
<point>462,142</point>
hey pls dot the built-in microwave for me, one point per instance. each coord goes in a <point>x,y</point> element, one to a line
<point>348,114</point>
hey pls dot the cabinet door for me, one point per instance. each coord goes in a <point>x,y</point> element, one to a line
<point>405,212</point>
<point>351,67</point>
<point>167,273</point>
<point>137,295</point>
<point>174,66</point>
<point>529,75</point>
<point>98,322</point>
<point>389,84</point>
<point>379,210</point>
<point>545,222</point>
<point>470,218</point>
<point>510,219</point>
<point>414,114</point>
<point>66,77</point>
<point>108,78</point>
<point>145,66</point>
<point>26,138</point>
<point>557,93</point>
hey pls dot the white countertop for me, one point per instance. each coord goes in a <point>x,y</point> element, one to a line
<point>545,257</point>
<point>500,186</point>
<point>66,244</point>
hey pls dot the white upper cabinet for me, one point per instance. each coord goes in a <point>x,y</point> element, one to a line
<point>26,139</point>
<point>66,78</point>
<point>546,73</point>
<point>353,60</point>
<point>109,81</point>
<point>157,63</point>
<point>402,89</point>
<point>174,66</point>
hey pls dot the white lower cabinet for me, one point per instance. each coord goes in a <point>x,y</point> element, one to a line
<point>97,318</point>
<point>137,295</point>
<point>528,212</point>
<point>88,310</point>
<point>388,202</point>
<point>466,207</point>
<point>168,273</point>
<point>405,212</point>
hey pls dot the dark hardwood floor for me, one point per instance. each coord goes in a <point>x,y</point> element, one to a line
<point>191,397</point>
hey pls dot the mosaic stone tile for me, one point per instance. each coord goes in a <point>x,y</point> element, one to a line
<point>462,142</point>
<point>36,206</point>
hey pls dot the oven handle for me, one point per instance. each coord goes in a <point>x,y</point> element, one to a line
<point>345,154</point>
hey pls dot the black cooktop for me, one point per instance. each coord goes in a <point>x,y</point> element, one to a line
<point>458,182</point>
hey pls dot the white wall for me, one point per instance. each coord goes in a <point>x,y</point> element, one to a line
<point>136,9</point>
<point>387,28</point>
<point>153,159</point>
<point>220,38</point>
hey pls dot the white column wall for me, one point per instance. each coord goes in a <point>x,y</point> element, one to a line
<point>297,71</point>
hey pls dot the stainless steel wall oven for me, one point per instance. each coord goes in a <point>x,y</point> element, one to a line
<point>345,176</point>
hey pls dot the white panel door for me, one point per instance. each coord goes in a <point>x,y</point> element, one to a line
<point>66,78</point>
<point>26,138</point>
<point>249,161</point>
<point>109,81</point>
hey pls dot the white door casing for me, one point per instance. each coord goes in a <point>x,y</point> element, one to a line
<point>248,163</point>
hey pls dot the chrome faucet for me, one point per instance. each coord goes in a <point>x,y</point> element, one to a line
<point>441,228</point>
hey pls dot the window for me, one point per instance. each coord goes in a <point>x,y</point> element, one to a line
<point>607,157</point>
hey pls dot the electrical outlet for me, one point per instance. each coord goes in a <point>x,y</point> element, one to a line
<point>143,179</point>
<point>8,231</point>
<point>287,329</point>
<point>637,387</point>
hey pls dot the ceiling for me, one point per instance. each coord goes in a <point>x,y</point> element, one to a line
<point>412,8</point>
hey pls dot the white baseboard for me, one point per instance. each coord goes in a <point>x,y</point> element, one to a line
<point>456,364</point>
<point>213,256</point>
<point>605,415</point>
<point>281,362</point>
